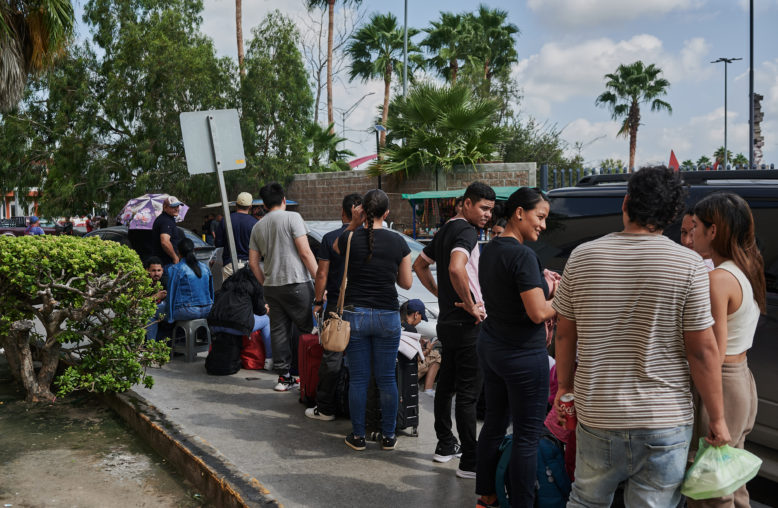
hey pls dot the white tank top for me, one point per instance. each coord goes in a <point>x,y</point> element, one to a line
<point>741,324</point>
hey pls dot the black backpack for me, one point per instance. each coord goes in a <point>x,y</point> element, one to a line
<point>224,357</point>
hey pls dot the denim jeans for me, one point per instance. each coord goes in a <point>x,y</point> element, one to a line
<point>153,328</point>
<point>289,305</point>
<point>261,323</point>
<point>375,338</point>
<point>516,389</point>
<point>459,375</point>
<point>651,461</point>
<point>187,312</point>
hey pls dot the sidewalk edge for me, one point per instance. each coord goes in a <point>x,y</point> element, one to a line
<point>200,463</point>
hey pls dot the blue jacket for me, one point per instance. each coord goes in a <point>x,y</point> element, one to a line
<point>184,288</point>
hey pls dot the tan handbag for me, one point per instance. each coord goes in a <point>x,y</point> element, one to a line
<point>335,331</point>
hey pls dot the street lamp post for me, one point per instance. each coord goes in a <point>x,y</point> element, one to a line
<point>726,61</point>
<point>405,53</point>
<point>347,112</point>
<point>378,130</point>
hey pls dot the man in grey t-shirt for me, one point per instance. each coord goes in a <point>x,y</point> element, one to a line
<point>281,237</point>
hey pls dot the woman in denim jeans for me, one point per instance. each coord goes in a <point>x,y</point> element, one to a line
<point>190,286</point>
<point>512,348</point>
<point>378,259</point>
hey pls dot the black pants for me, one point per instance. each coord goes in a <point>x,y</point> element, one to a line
<point>329,374</point>
<point>289,305</point>
<point>460,375</point>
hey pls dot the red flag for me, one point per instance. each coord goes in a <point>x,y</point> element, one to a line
<point>673,162</point>
<point>716,165</point>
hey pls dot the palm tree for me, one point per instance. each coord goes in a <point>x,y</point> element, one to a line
<point>627,88</point>
<point>323,141</point>
<point>688,165</point>
<point>740,160</point>
<point>703,161</point>
<point>376,52</point>
<point>330,5</point>
<point>448,40</point>
<point>239,35</point>
<point>492,43</point>
<point>442,127</point>
<point>718,156</point>
<point>32,34</point>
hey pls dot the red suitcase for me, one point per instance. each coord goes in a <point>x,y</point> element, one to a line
<point>309,358</point>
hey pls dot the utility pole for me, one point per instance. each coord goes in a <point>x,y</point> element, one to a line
<point>726,61</point>
<point>405,52</point>
<point>751,126</point>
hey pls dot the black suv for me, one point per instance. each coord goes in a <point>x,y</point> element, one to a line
<point>592,209</point>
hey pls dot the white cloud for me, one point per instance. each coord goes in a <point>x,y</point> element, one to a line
<point>561,71</point>
<point>589,13</point>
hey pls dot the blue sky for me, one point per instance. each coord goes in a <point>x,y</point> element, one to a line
<point>567,46</point>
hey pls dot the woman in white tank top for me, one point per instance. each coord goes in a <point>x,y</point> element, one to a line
<point>724,232</point>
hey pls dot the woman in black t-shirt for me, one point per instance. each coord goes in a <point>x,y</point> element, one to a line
<point>512,347</point>
<point>379,258</point>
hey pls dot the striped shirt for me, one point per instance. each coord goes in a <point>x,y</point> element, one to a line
<point>632,296</point>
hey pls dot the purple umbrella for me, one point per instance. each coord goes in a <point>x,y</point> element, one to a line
<point>140,212</point>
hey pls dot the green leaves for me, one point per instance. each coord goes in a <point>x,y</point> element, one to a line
<point>441,127</point>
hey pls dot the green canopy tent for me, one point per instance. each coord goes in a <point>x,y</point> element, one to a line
<point>427,198</point>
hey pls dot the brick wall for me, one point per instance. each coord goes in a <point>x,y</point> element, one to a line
<point>320,194</point>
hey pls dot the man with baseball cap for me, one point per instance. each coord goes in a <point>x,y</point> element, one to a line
<point>242,223</point>
<point>164,232</point>
<point>35,227</point>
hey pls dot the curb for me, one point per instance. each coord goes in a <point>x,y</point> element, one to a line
<point>200,463</point>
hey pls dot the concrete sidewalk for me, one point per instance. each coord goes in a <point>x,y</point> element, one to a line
<point>265,436</point>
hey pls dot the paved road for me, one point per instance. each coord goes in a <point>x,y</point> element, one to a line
<point>303,462</point>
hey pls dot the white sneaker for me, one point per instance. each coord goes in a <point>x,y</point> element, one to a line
<point>269,364</point>
<point>286,383</point>
<point>313,412</point>
<point>468,475</point>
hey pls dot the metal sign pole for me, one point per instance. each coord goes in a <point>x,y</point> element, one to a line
<point>222,188</point>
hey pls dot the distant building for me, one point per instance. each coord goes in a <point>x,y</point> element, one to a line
<point>12,207</point>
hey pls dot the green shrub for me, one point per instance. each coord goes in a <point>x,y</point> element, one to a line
<point>93,301</point>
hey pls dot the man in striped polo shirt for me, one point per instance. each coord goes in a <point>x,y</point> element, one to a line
<point>635,307</point>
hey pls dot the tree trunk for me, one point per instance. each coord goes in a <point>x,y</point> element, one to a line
<point>239,35</point>
<point>634,122</point>
<point>22,363</point>
<point>454,66</point>
<point>330,27</point>
<point>387,90</point>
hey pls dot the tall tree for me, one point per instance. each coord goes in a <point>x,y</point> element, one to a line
<point>492,44</point>
<point>626,89</point>
<point>32,34</point>
<point>330,5</point>
<point>239,35</point>
<point>376,51</point>
<point>276,100</point>
<point>448,40</point>
<point>323,143</point>
<point>718,156</point>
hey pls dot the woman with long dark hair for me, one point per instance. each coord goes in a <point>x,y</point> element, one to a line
<point>378,259</point>
<point>190,286</point>
<point>723,230</point>
<point>512,347</point>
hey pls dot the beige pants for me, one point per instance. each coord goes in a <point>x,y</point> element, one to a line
<point>227,269</point>
<point>740,403</point>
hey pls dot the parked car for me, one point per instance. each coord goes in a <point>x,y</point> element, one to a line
<point>592,209</point>
<point>15,226</point>
<point>142,238</point>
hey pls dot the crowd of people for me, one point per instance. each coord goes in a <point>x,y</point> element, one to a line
<point>650,340</point>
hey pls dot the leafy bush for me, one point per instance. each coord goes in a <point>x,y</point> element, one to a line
<point>93,301</point>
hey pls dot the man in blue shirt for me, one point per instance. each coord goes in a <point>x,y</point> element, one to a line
<point>242,223</point>
<point>329,276</point>
<point>35,227</point>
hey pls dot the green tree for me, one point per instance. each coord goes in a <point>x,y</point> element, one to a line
<point>739,160</point>
<point>688,165</point>
<point>492,43</point>
<point>330,5</point>
<point>718,156</point>
<point>323,143</point>
<point>626,89</point>
<point>703,161</point>
<point>376,51</point>
<point>93,300</point>
<point>449,42</point>
<point>32,34</point>
<point>441,127</point>
<point>612,164</point>
<point>276,101</point>
<point>531,141</point>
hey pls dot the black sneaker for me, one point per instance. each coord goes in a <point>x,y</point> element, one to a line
<point>445,453</point>
<point>388,443</point>
<point>355,442</point>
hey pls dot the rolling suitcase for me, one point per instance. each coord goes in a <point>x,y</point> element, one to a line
<point>408,394</point>
<point>309,359</point>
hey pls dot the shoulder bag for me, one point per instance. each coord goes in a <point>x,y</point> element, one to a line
<point>335,331</point>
